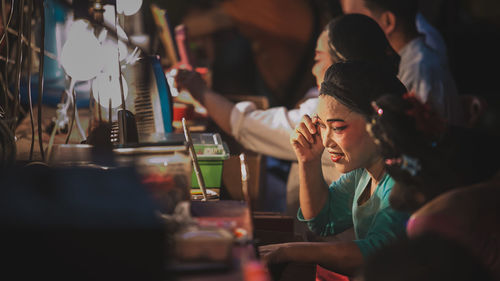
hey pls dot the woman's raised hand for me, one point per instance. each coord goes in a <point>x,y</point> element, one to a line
<point>306,140</point>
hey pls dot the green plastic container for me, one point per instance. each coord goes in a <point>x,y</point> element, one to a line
<point>211,153</point>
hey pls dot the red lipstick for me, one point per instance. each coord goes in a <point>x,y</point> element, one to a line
<point>336,157</point>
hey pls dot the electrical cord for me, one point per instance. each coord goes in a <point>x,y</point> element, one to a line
<point>19,59</point>
<point>2,58</point>
<point>32,145</point>
<point>10,95</point>
<point>40,75</point>
<point>59,123</point>
<point>33,46</point>
<point>78,124</point>
<point>7,145</point>
<point>6,37</point>
<point>51,140</point>
<point>122,95</point>
<point>71,100</point>
<point>11,13</point>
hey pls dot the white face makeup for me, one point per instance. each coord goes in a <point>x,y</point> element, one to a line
<point>322,58</point>
<point>344,135</point>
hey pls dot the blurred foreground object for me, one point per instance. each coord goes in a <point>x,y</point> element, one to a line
<point>79,224</point>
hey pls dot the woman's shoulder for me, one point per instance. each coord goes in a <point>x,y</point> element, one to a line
<point>385,186</point>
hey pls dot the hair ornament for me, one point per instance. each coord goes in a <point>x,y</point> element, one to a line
<point>426,120</point>
<point>407,163</point>
<point>377,109</point>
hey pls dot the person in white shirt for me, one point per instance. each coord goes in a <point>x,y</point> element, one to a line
<point>423,70</point>
<point>432,36</point>
<point>268,131</point>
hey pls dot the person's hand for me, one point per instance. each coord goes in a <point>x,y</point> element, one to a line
<point>192,82</point>
<point>306,140</point>
<point>272,254</point>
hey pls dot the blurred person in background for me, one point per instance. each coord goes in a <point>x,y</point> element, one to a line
<point>447,176</point>
<point>423,69</point>
<point>430,258</point>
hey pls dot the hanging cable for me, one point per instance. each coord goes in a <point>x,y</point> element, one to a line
<point>78,123</point>
<point>11,13</point>
<point>2,58</point>
<point>71,99</point>
<point>30,13</point>
<point>33,46</point>
<point>19,60</point>
<point>60,121</point>
<point>6,37</point>
<point>10,95</point>
<point>122,94</point>
<point>40,75</point>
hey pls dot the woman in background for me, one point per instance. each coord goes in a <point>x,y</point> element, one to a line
<point>448,177</point>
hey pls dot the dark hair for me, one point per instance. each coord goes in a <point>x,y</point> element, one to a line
<point>428,257</point>
<point>425,154</point>
<point>360,38</point>
<point>355,84</point>
<point>404,10</point>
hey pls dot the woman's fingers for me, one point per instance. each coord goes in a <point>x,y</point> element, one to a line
<point>307,129</point>
<point>304,131</point>
<point>303,141</point>
<point>310,124</point>
<point>306,140</point>
<point>298,139</point>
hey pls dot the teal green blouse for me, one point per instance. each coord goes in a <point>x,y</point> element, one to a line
<point>375,222</point>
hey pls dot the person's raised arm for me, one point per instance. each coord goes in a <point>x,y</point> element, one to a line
<point>308,147</point>
<point>218,107</point>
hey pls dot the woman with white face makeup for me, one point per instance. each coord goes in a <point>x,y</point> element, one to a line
<point>360,198</point>
<point>348,37</point>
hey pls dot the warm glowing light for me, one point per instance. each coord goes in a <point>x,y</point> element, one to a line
<point>81,55</point>
<point>108,87</point>
<point>110,20</point>
<point>110,57</point>
<point>128,7</point>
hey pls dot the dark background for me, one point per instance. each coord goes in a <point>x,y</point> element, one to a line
<point>470,28</point>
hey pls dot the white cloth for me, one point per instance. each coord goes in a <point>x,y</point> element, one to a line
<point>268,131</point>
<point>424,72</point>
<point>432,36</point>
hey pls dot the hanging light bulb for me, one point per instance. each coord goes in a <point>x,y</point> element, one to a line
<point>108,87</point>
<point>81,55</point>
<point>128,7</point>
